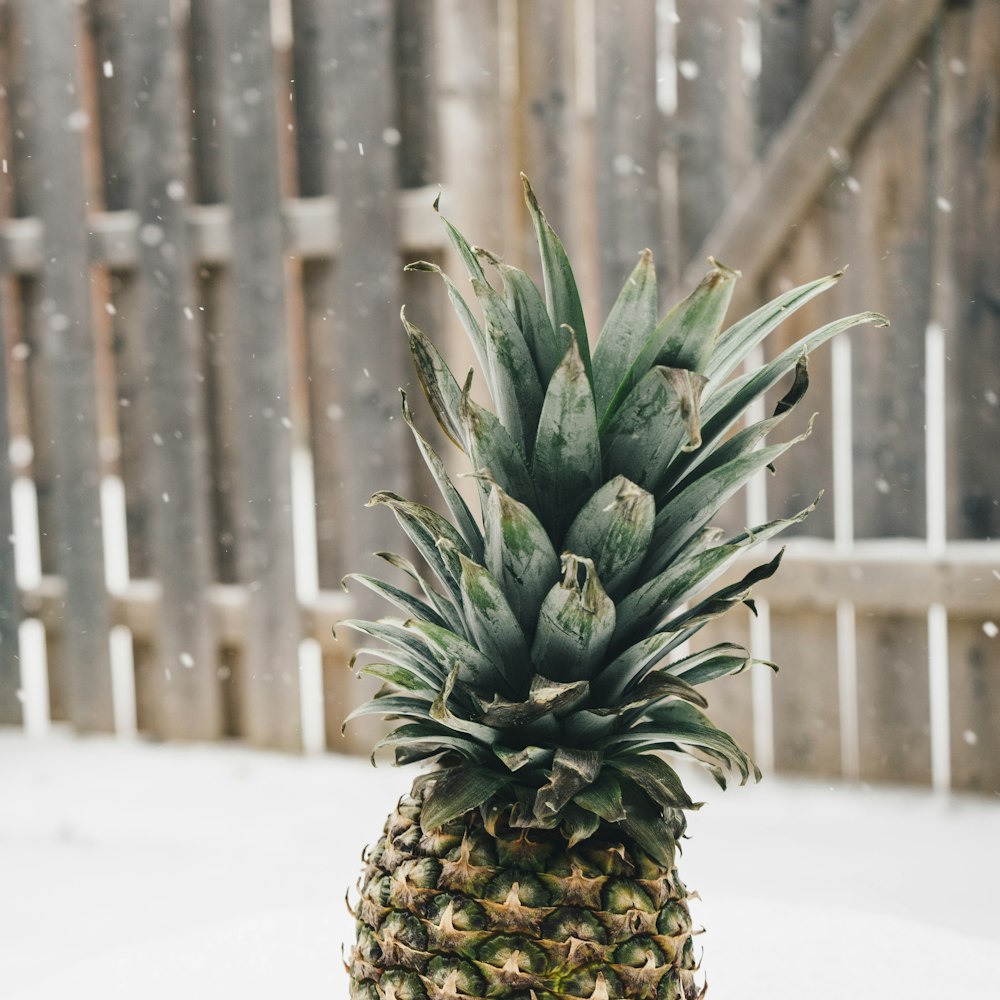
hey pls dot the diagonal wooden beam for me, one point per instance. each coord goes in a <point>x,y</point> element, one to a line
<point>844,94</point>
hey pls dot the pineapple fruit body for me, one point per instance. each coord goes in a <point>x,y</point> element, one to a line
<point>539,665</point>
<point>474,912</point>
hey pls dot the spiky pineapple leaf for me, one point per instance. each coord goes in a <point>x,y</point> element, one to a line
<point>477,339</point>
<point>426,528</point>
<point>690,572</point>
<point>684,337</point>
<point>526,303</point>
<point>494,627</point>
<point>457,507</point>
<point>714,667</point>
<point>717,604</point>
<point>575,623</point>
<point>477,670</point>
<point>434,738</point>
<point>629,325</point>
<point>566,464</point>
<point>689,511</point>
<point>456,791</point>
<point>656,778</point>
<point>394,595</point>
<point>403,640</point>
<point>545,697</point>
<point>520,555</point>
<point>439,384</point>
<point>443,605</point>
<point>400,677</point>
<point>726,405</point>
<point>646,824</point>
<point>533,756</point>
<point>659,419</point>
<point>578,824</point>
<point>493,450</point>
<point>572,770</point>
<point>614,528</point>
<point>517,391</point>
<point>561,296</point>
<point>736,342</point>
<point>603,798</point>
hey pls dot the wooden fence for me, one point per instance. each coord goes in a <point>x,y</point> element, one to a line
<point>204,207</point>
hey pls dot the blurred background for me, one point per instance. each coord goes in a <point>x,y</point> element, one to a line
<point>205,206</point>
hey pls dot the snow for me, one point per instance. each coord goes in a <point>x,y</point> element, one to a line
<point>165,871</point>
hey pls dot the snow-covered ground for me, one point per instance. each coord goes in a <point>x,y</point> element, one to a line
<point>169,872</point>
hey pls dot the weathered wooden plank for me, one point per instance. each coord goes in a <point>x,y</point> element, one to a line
<point>974,700</point>
<point>806,694</point>
<point>965,306</point>
<point>545,117</point>
<point>894,740</point>
<point>10,601</point>
<point>51,117</point>
<point>190,703</point>
<point>626,142</point>
<point>714,120</point>
<point>845,92</point>
<point>967,272</point>
<point>269,686</point>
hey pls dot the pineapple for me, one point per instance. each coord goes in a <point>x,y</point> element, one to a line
<point>542,672</point>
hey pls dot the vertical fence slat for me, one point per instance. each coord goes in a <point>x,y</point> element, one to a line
<point>546,116</point>
<point>363,176</point>
<point>10,598</point>
<point>53,119</point>
<point>713,123</point>
<point>189,703</point>
<point>889,219</point>
<point>967,306</point>
<point>806,711</point>
<point>711,136</point>
<point>627,143</point>
<point>269,681</point>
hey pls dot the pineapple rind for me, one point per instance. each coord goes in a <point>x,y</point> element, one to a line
<point>468,912</point>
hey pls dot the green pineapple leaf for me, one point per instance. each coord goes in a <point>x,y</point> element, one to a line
<point>456,791</point>
<point>493,625</point>
<point>566,464</point>
<point>575,623</point>
<point>439,384</point>
<point>684,337</point>
<point>628,327</point>
<point>659,419</point>
<point>520,556</point>
<point>454,501</point>
<point>614,528</point>
<point>561,296</point>
<point>526,303</point>
<point>572,770</point>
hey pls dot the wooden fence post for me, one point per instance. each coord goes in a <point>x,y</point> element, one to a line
<point>189,705</point>
<point>806,693</point>
<point>711,146</point>
<point>269,683</point>
<point>965,311</point>
<point>53,119</point>
<point>627,143</point>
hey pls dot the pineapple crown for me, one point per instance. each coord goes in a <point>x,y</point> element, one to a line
<point>544,672</point>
